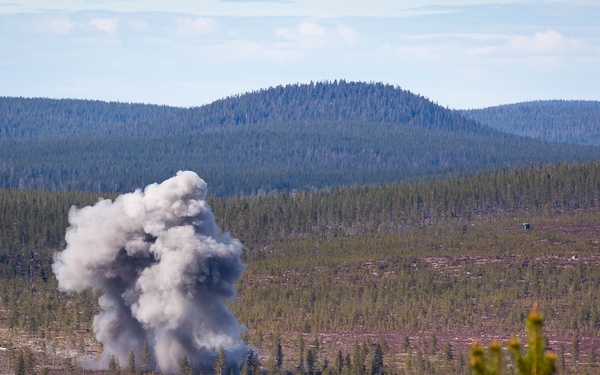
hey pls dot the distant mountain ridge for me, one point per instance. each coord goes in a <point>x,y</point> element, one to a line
<point>565,121</point>
<point>286,137</point>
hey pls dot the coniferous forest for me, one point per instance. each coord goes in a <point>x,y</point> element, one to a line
<point>415,271</point>
<point>283,138</point>
<point>382,233</point>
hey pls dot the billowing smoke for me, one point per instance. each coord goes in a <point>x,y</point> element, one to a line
<point>166,272</point>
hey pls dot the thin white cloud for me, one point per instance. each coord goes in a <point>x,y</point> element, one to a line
<point>547,42</point>
<point>107,25</point>
<point>311,35</point>
<point>482,51</point>
<point>53,25</point>
<point>254,51</point>
<point>192,27</point>
<point>347,34</point>
<point>418,52</point>
<point>139,25</point>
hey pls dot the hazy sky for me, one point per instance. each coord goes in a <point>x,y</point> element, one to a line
<point>462,54</point>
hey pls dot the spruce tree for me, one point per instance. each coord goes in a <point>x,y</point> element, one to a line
<point>220,363</point>
<point>377,361</point>
<point>131,362</point>
<point>20,364</point>
<point>113,366</point>
<point>145,357</point>
<point>185,368</point>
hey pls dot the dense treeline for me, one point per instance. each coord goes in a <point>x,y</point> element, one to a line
<point>38,219</point>
<point>550,120</point>
<point>244,160</point>
<point>389,209</point>
<point>35,118</point>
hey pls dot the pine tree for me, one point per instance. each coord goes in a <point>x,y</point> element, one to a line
<point>145,357</point>
<point>300,367</point>
<point>448,354</point>
<point>220,363</point>
<point>310,362</point>
<point>113,366</point>
<point>377,361</point>
<point>339,362</point>
<point>20,364</point>
<point>250,365</point>
<point>28,360</point>
<point>278,355</point>
<point>185,368</point>
<point>131,362</point>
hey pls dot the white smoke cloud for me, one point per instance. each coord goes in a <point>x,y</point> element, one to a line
<point>165,269</point>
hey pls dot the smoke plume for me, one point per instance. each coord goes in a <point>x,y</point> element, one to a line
<point>166,272</point>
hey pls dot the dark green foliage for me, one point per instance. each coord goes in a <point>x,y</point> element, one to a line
<point>377,367</point>
<point>448,353</point>
<point>339,362</point>
<point>250,364</point>
<point>311,362</point>
<point>277,355</point>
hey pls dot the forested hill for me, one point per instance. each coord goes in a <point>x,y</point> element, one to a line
<point>551,120</point>
<point>287,137</point>
<point>331,101</point>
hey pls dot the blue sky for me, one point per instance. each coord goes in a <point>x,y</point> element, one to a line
<point>461,54</point>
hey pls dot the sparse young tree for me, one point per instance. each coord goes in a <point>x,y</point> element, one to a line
<point>114,367</point>
<point>250,365</point>
<point>377,361</point>
<point>145,357</point>
<point>20,364</point>
<point>300,366</point>
<point>220,363</point>
<point>310,361</point>
<point>277,355</point>
<point>29,360</point>
<point>339,362</point>
<point>131,362</point>
<point>448,354</point>
<point>185,368</point>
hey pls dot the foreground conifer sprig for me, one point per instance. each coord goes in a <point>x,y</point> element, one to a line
<point>535,362</point>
